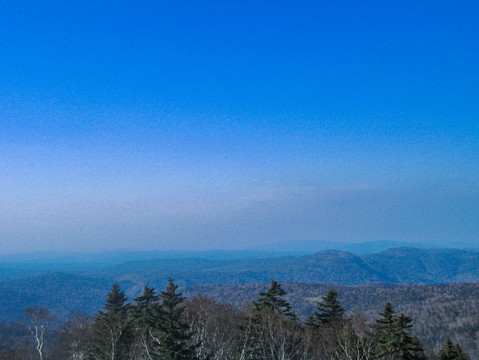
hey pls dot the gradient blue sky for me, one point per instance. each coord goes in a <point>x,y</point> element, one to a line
<point>225,124</point>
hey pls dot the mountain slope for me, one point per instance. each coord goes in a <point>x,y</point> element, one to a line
<point>429,266</point>
<point>401,265</point>
<point>60,292</point>
<point>326,266</point>
<point>63,292</point>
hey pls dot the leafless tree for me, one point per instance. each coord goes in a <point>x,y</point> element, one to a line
<point>277,337</point>
<point>106,337</point>
<point>353,339</point>
<point>38,321</point>
<point>215,328</point>
<point>73,337</point>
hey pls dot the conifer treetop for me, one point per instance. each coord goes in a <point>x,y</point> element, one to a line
<point>272,301</point>
<point>329,311</point>
<point>115,299</point>
<point>451,351</point>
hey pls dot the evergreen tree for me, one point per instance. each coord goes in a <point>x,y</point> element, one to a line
<point>115,299</point>
<point>392,337</point>
<point>147,297</point>
<point>110,331</point>
<point>384,332</point>
<point>174,338</point>
<point>387,316</point>
<point>271,301</point>
<point>328,312</point>
<point>451,351</point>
<point>141,314</point>
<point>274,330</point>
<point>409,347</point>
<point>143,317</point>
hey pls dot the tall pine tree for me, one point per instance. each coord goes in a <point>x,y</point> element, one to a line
<point>111,333</point>
<point>174,338</point>
<point>451,351</point>
<point>328,312</point>
<point>392,337</point>
<point>273,327</point>
<point>115,299</point>
<point>144,316</point>
<point>387,317</point>
<point>272,301</point>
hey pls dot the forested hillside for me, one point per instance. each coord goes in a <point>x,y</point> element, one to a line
<point>165,325</point>
<point>66,291</point>
<point>401,265</point>
<point>439,311</point>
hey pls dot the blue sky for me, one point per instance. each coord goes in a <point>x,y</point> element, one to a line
<point>226,124</point>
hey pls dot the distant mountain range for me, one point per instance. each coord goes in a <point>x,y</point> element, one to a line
<point>303,247</point>
<point>400,265</point>
<point>68,290</point>
<point>55,260</point>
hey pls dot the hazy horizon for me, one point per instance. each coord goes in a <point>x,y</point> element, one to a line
<point>216,125</point>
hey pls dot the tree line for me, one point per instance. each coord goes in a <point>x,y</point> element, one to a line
<point>166,326</point>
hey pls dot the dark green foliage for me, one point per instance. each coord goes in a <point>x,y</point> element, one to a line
<point>387,316</point>
<point>142,313</point>
<point>272,301</point>
<point>155,327</point>
<point>174,338</point>
<point>147,297</point>
<point>111,333</point>
<point>392,337</point>
<point>143,317</point>
<point>451,351</point>
<point>275,331</point>
<point>328,311</point>
<point>439,311</point>
<point>115,299</point>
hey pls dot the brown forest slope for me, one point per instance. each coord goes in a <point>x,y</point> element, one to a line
<point>439,311</point>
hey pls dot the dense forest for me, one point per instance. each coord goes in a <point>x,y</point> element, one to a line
<point>439,311</point>
<point>165,325</point>
<point>83,286</point>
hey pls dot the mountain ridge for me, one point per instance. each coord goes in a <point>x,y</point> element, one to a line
<point>397,266</point>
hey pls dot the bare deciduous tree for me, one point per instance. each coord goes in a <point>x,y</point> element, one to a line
<point>39,319</point>
<point>215,328</point>
<point>353,339</point>
<point>73,336</point>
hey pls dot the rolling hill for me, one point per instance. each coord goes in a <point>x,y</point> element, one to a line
<point>65,291</point>
<point>401,265</point>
